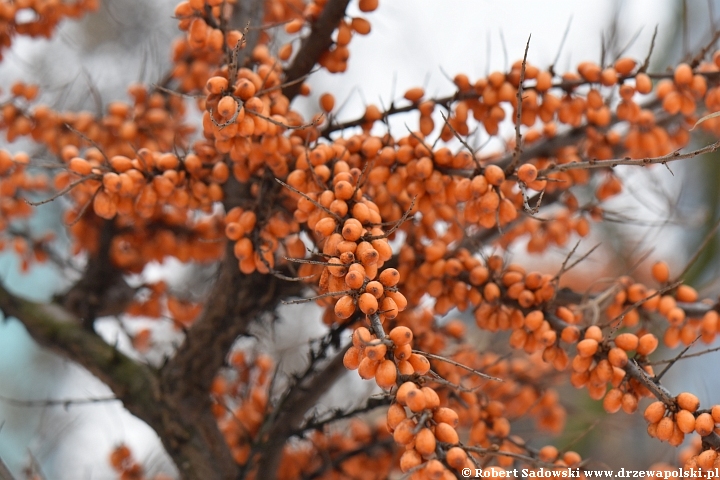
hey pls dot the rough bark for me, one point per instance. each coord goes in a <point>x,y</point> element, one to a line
<point>319,40</point>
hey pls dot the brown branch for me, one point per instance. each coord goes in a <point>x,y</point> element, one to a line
<point>292,411</point>
<point>192,441</point>
<point>314,45</point>
<point>612,163</point>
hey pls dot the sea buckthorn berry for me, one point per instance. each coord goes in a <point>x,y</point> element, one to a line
<point>665,429</point>
<point>594,333</point>
<point>367,368</point>
<point>80,166</point>
<point>685,421</point>
<point>643,83</point>
<point>395,415</point>
<point>494,175</point>
<point>386,374</point>
<point>432,400</point>
<point>647,344</point>
<point>686,293</point>
<point>623,66</point>
<point>688,401</point>
<point>425,442</point>
<point>617,357</point>
<point>627,341</point>
<point>612,401</point>
<point>403,433</point>
<point>227,106</point>
<point>683,74</point>
<point>403,390</point>
<point>410,459</point>
<point>527,173</point>
<point>401,335</point>
<point>587,347</point>
<point>352,230</point>
<point>389,277</point>
<point>654,412</point>
<point>376,352</point>
<point>351,359</point>
<point>367,303</point>
<point>446,415</point>
<point>456,457</point>
<point>419,363</point>
<point>327,102</point>
<point>548,453</point>
<point>704,424</point>
<point>446,433</point>
<point>415,400</point>
<point>345,307</point>
<point>716,413</point>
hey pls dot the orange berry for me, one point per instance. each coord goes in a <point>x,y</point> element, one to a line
<point>665,429</point>
<point>425,442</point>
<point>327,102</point>
<point>367,368</point>
<point>389,277</point>
<point>683,74</point>
<point>623,66</point>
<point>415,400</point>
<point>688,401</point>
<point>386,374</point>
<point>627,341</point>
<point>643,83</point>
<point>685,421</point>
<point>368,5</point>
<point>587,347</point>
<point>686,293</point>
<point>647,344</point>
<point>613,400</point>
<point>419,363</point>
<point>403,433</point>
<point>527,173</point>
<point>325,227</point>
<point>494,175</point>
<point>456,457</point>
<point>446,433</point>
<point>368,303</point>
<point>395,415</point>
<point>351,359</point>
<point>654,412</point>
<point>227,106</point>
<point>446,415</point>
<point>401,335</point>
<point>704,424</point>
<point>403,390</point>
<point>352,230</point>
<point>410,459</point>
<point>414,94</point>
<point>345,307</point>
<point>80,166</point>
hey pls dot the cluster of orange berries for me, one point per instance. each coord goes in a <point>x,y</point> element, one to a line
<point>38,18</point>
<point>122,461</point>
<point>384,359</point>
<point>671,423</point>
<point>366,441</point>
<point>239,410</point>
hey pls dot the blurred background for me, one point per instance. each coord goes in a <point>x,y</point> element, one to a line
<point>413,43</point>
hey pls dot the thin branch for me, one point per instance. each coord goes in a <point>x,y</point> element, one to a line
<point>518,112</point>
<point>612,163</point>
<point>65,403</point>
<point>312,46</point>
<point>457,364</point>
<point>677,357</point>
<point>706,241</point>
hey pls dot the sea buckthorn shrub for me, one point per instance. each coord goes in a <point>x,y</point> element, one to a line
<point>387,233</point>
